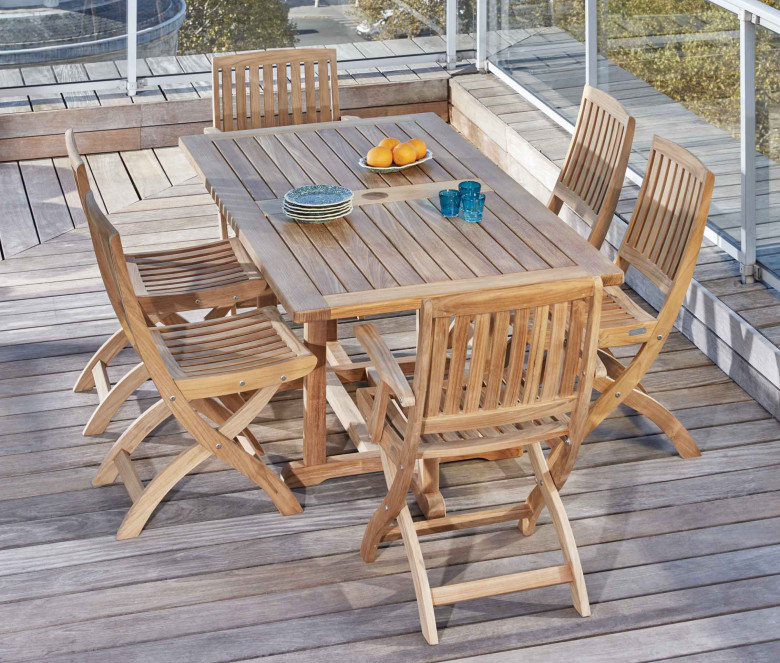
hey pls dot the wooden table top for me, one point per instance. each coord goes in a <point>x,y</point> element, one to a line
<point>394,248</point>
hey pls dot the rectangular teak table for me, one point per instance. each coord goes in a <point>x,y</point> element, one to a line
<point>390,252</point>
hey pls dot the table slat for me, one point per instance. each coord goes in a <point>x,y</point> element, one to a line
<point>394,248</point>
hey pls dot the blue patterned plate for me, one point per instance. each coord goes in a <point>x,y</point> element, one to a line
<point>318,218</point>
<point>318,195</point>
<point>316,208</point>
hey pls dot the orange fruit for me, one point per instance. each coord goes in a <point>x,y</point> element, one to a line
<point>419,147</point>
<point>404,154</point>
<point>379,157</point>
<point>389,143</point>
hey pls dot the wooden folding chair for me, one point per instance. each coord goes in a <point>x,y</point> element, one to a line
<point>303,83</point>
<point>225,370</point>
<point>522,385</point>
<point>662,243</point>
<point>595,166</point>
<point>216,275</point>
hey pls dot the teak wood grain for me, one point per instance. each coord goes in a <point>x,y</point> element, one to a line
<point>286,86</point>
<point>390,253</point>
<point>592,175</point>
<point>212,275</point>
<point>382,249</point>
<point>662,242</point>
<point>222,370</point>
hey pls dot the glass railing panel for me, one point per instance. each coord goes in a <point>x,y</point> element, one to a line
<point>363,29</point>
<point>541,45</point>
<point>768,148</point>
<point>674,64</point>
<point>44,42</point>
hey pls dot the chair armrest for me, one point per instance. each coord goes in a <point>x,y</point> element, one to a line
<point>212,130</point>
<point>384,362</point>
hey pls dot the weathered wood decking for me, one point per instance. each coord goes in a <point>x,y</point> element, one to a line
<point>681,556</point>
<point>353,73</point>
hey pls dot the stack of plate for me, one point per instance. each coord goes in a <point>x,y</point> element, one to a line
<point>317,203</point>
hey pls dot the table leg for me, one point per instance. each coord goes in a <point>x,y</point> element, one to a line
<point>317,466</point>
<point>315,335</point>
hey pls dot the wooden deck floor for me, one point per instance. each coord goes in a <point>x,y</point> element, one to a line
<point>682,557</point>
<point>164,65</point>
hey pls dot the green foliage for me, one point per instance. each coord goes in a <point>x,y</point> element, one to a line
<point>215,26</point>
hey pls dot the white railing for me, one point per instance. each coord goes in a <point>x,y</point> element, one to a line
<point>750,14</point>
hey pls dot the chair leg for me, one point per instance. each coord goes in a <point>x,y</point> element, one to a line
<point>255,469</point>
<point>659,415</point>
<point>105,354</point>
<point>119,393</point>
<point>666,421</point>
<point>218,312</point>
<point>615,367</point>
<point>158,488</point>
<point>399,482</point>
<point>223,226</point>
<point>129,441</point>
<point>571,556</point>
<point>422,587</point>
<point>220,412</point>
<point>535,500</point>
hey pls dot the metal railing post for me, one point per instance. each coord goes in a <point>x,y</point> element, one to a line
<point>132,47</point>
<point>591,43</point>
<point>452,34</point>
<point>747,125</point>
<point>482,34</point>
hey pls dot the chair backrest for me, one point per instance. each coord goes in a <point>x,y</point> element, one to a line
<point>100,230</point>
<point>77,165</point>
<point>667,226</point>
<point>595,166</point>
<point>306,88</point>
<point>117,280</point>
<point>533,354</point>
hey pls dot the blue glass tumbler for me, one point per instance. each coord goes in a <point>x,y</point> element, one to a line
<point>468,187</point>
<point>473,206</point>
<point>449,199</point>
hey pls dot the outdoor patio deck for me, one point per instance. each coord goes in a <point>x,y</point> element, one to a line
<point>681,556</point>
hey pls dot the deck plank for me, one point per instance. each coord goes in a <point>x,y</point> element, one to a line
<point>17,228</point>
<point>46,197</point>
<point>671,548</point>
